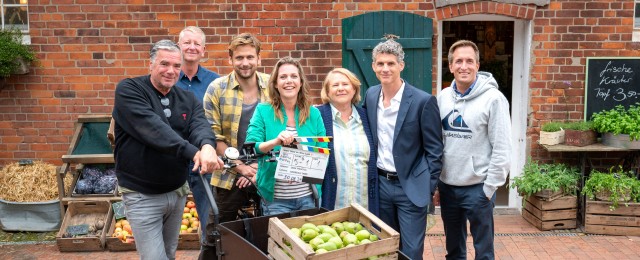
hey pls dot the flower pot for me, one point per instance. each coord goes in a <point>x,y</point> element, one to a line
<point>551,138</point>
<point>579,138</point>
<point>23,67</point>
<point>30,216</point>
<point>620,141</point>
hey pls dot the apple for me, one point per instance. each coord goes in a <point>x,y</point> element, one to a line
<point>186,215</point>
<point>183,227</point>
<point>191,204</point>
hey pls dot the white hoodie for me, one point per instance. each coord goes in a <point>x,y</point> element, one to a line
<point>476,131</point>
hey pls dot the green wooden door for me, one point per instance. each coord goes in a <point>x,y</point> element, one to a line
<point>360,34</point>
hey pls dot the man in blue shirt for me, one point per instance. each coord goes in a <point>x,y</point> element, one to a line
<point>195,79</point>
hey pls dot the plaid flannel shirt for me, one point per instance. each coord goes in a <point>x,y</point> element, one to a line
<point>223,107</point>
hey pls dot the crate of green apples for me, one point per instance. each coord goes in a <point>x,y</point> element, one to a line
<point>347,233</point>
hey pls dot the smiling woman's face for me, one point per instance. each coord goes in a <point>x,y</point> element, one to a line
<point>288,83</point>
<point>340,90</point>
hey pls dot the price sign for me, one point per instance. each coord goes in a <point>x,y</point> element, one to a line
<point>118,210</point>
<point>301,166</point>
<point>77,230</point>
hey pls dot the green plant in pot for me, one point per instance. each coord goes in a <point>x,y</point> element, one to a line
<point>14,55</point>
<point>615,186</point>
<point>552,133</point>
<point>618,121</point>
<point>537,177</point>
<point>579,133</point>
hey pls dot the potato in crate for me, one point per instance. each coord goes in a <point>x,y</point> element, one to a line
<point>347,233</point>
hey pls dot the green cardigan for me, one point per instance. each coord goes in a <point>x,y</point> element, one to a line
<point>265,126</point>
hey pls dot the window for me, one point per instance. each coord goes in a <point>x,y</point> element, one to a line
<point>15,14</point>
<point>636,23</point>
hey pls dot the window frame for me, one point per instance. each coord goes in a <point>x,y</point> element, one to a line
<point>4,5</point>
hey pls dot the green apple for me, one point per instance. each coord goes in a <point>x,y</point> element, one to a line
<point>350,227</point>
<point>373,238</point>
<point>309,234</point>
<point>306,226</point>
<point>358,227</point>
<point>338,227</point>
<point>364,241</point>
<point>321,228</point>
<point>350,239</point>
<point>315,242</point>
<point>337,241</point>
<point>329,246</point>
<point>344,233</point>
<point>325,236</point>
<point>363,234</point>
<point>321,251</point>
<point>330,230</point>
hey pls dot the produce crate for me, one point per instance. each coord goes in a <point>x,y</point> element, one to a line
<point>84,212</point>
<point>560,213</point>
<point>548,194</point>
<point>279,232</point>
<point>623,221</point>
<point>185,241</point>
<point>78,176</point>
<point>551,138</point>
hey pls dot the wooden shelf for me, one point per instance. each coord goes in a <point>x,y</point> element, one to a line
<point>597,147</point>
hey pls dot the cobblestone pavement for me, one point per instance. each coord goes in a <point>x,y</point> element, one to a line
<point>515,239</point>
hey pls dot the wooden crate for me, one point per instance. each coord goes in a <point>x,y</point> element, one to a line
<point>185,241</point>
<point>279,232</point>
<point>84,212</point>
<point>560,213</point>
<point>549,195</point>
<point>78,176</point>
<point>624,220</point>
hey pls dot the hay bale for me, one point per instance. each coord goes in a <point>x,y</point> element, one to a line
<point>30,183</point>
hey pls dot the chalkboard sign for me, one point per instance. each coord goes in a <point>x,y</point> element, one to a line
<point>610,82</point>
<point>118,210</point>
<point>75,230</point>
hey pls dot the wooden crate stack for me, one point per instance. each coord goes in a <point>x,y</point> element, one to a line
<point>84,213</point>
<point>624,220</point>
<point>279,232</point>
<point>549,210</point>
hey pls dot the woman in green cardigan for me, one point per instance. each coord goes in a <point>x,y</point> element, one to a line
<point>288,114</point>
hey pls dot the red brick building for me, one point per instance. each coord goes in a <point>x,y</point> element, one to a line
<point>86,46</point>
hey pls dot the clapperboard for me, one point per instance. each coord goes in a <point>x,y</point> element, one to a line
<point>303,163</point>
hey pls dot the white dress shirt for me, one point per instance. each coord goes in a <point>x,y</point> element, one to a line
<point>386,128</point>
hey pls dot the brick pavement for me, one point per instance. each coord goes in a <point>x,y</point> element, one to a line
<point>515,239</point>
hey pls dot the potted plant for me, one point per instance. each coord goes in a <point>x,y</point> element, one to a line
<point>620,127</point>
<point>546,180</point>
<point>579,133</point>
<point>552,133</point>
<point>615,186</point>
<point>15,57</point>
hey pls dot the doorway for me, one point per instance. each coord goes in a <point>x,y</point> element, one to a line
<point>501,41</point>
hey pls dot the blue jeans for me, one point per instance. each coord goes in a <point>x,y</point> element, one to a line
<point>155,220</point>
<point>459,204</point>
<point>402,215</point>
<point>278,206</point>
<point>200,197</point>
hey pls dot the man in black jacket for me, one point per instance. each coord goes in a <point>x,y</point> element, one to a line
<point>159,129</point>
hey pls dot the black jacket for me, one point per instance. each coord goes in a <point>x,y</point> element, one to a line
<point>152,152</point>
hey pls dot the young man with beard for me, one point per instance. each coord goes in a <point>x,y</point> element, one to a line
<point>477,129</point>
<point>196,79</point>
<point>229,104</point>
<point>159,129</point>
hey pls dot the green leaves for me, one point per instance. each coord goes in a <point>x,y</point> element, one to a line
<point>537,177</point>
<point>576,125</point>
<point>619,121</point>
<point>621,186</point>
<point>11,50</point>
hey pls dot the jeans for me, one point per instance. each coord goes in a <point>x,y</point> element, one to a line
<point>278,206</point>
<point>155,220</point>
<point>459,204</point>
<point>397,211</point>
<point>200,197</point>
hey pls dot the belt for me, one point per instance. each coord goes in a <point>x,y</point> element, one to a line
<point>387,174</point>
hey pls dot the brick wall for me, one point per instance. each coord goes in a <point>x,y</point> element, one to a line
<point>87,46</point>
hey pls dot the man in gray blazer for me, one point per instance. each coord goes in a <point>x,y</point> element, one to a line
<point>405,122</point>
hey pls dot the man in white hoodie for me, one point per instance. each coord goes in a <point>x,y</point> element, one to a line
<point>476,131</point>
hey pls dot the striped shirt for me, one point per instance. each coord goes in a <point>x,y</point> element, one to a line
<point>351,150</point>
<point>291,190</point>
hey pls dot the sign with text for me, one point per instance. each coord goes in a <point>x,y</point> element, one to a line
<point>610,82</point>
<point>301,166</point>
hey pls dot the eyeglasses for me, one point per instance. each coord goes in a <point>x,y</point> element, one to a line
<point>165,102</point>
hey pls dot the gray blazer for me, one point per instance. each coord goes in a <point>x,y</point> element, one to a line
<point>417,141</point>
